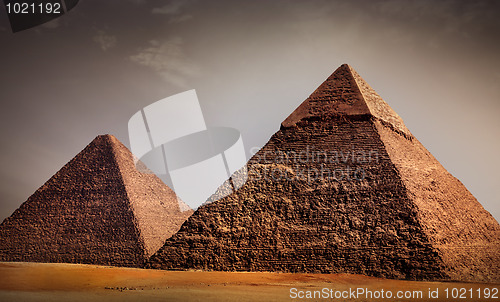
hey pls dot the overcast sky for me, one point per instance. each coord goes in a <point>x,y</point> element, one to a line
<point>252,63</point>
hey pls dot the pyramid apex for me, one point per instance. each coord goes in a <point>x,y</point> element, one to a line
<point>345,93</point>
<point>108,140</point>
<point>105,137</point>
<point>338,95</point>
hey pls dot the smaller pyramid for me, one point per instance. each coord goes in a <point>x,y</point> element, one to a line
<point>98,209</point>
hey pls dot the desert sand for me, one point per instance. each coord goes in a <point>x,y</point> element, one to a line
<point>76,282</point>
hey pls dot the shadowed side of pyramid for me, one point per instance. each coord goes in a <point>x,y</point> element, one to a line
<point>98,209</point>
<point>342,187</point>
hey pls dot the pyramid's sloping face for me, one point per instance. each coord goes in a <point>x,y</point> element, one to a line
<point>94,210</point>
<point>466,235</point>
<point>342,188</point>
<point>155,206</point>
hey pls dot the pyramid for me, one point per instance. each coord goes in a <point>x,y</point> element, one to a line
<point>342,187</point>
<point>98,209</point>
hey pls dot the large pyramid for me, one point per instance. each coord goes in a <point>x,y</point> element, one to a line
<point>343,187</point>
<point>98,209</point>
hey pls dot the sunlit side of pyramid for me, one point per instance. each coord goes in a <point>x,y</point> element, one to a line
<point>98,209</point>
<point>381,206</point>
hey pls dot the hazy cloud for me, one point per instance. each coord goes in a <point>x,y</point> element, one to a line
<point>52,24</point>
<point>173,11</point>
<point>179,19</point>
<point>453,16</point>
<point>104,40</point>
<point>172,8</point>
<point>168,60</point>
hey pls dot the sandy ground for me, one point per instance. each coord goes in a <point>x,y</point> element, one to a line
<point>74,282</point>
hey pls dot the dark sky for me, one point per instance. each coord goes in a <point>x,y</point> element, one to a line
<point>252,63</point>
